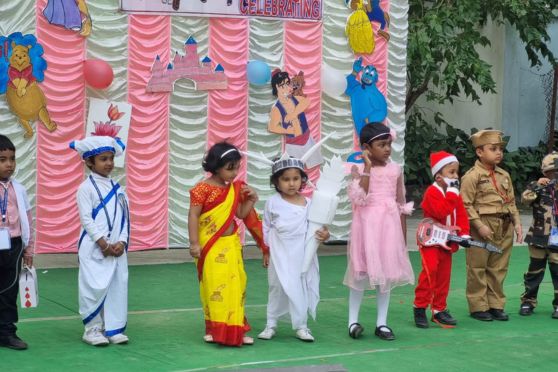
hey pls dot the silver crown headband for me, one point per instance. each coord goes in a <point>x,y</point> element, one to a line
<point>286,163</point>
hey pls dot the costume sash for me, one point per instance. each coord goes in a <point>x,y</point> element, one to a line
<point>216,220</point>
<point>218,216</point>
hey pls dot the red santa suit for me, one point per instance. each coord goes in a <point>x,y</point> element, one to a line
<point>447,209</point>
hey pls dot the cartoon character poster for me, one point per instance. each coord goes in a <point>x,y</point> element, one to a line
<point>70,14</point>
<point>287,116</point>
<point>22,68</point>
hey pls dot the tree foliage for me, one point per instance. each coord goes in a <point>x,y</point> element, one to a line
<point>442,57</point>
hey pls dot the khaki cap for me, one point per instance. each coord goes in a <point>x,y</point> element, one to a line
<point>550,162</point>
<point>487,137</point>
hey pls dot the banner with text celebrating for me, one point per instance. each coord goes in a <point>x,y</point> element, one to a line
<point>300,10</point>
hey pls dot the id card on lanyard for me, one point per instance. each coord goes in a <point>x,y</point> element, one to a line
<point>553,238</point>
<point>5,239</point>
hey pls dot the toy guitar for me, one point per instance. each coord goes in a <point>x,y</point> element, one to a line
<point>431,233</point>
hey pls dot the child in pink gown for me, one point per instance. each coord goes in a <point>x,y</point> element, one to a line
<point>377,252</point>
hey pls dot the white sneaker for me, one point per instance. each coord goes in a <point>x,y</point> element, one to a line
<point>94,336</point>
<point>304,335</point>
<point>119,338</point>
<point>267,333</point>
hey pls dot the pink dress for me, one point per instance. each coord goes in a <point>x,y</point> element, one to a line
<point>377,253</point>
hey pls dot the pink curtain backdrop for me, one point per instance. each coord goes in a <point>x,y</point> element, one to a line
<point>227,110</point>
<point>378,59</point>
<point>59,169</point>
<point>303,52</point>
<point>148,138</point>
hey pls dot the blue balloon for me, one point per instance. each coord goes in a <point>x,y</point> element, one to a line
<point>258,72</point>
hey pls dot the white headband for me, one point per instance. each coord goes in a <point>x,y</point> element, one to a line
<point>228,152</point>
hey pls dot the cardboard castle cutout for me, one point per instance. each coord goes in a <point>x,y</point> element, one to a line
<point>187,66</point>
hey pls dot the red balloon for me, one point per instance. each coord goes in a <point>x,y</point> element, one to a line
<point>98,73</point>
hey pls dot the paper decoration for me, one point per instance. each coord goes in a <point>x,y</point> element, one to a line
<point>323,206</point>
<point>368,104</point>
<point>70,14</point>
<point>28,288</point>
<point>359,29</point>
<point>377,14</point>
<point>110,119</point>
<point>187,66</point>
<point>297,84</point>
<point>22,68</point>
<point>287,117</point>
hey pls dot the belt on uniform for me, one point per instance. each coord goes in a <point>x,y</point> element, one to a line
<point>502,216</point>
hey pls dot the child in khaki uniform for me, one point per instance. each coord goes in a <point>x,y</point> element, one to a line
<point>488,196</point>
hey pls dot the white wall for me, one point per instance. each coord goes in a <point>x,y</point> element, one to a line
<point>465,114</point>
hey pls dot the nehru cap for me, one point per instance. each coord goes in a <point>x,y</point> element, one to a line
<point>487,137</point>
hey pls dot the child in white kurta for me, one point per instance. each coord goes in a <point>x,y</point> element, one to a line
<point>102,245</point>
<point>285,227</point>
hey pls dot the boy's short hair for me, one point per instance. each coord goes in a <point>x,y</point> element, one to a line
<point>6,143</point>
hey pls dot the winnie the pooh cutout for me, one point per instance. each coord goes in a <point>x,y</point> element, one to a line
<point>287,116</point>
<point>23,68</point>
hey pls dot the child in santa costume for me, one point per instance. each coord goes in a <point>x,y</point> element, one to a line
<point>444,205</point>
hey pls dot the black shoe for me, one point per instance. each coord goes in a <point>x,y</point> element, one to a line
<point>420,317</point>
<point>12,342</point>
<point>384,335</point>
<point>526,309</point>
<point>444,318</point>
<point>484,316</point>
<point>555,313</point>
<point>355,330</point>
<point>499,314</point>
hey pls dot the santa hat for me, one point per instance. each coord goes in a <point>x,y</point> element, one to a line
<point>95,145</point>
<point>440,159</point>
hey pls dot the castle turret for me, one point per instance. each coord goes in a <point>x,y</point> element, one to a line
<point>191,52</point>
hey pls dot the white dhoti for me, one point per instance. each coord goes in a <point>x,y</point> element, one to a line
<point>103,281</point>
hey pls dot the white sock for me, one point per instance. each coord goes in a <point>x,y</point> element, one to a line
<point>382,299</point>
<point>355,299</point>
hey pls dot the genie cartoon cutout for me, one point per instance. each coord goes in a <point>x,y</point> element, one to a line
<point>368,104</point>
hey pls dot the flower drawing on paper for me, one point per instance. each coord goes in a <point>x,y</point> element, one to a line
<point>107,128</point>
<point>113,113</point>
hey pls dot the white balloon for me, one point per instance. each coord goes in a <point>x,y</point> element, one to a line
<point>334,81</point>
